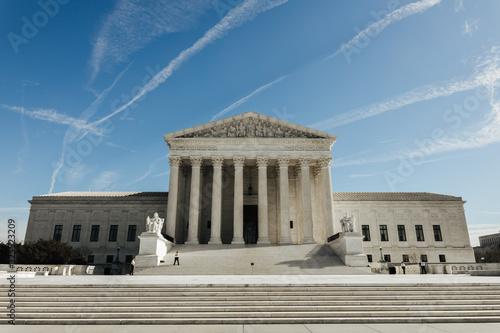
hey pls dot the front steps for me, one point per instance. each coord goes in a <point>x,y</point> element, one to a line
<point>254,304</point>
<point>209,259</point>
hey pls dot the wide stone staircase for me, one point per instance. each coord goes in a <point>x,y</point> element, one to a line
<point>208,259</point>
<point>254,304</point>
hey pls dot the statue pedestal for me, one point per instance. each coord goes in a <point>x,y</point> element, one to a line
<point>349,248</point>
<point>152,249</point>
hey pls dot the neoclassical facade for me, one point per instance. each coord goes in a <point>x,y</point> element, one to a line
<point>250,179</point>
<point>254,179</point>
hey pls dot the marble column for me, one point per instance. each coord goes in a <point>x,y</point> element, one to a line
<point>194,200</point>
<point>239,162</point>
<point>305,182</point>
<point>327,192</point>
<point>217,162</point>
<point>285,238</point>
<point>263,202</point>
<point>319,228</point>
<point>173,195</point>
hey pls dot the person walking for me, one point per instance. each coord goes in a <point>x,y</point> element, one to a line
<point>132,266</point>
<point>176,258</point>
<point>403,267</point>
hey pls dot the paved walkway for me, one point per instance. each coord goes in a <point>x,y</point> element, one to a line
<point>256,279</point>
<point>312,328</point>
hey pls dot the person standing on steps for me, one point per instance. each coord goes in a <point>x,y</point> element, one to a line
<point>403,267</point>
<point>132,266</point>
<point>176,258</point>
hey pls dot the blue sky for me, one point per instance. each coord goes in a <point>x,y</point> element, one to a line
<point>88,88</point>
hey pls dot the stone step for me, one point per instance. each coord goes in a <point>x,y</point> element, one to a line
<point>244,320</point>
<point>245,304</point>
<point>258,298</point>
<point>140,288</point>
<point>254,308</point>
<point>135,304</point>
<point>174,293</point>
<point>259,314</point>
<point>209,259</point>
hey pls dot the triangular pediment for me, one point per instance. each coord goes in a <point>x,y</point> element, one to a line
<point>250,125</point>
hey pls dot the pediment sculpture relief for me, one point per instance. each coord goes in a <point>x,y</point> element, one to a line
<point>250,128</point>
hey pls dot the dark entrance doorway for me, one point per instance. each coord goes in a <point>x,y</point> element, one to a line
<point>250,224</point>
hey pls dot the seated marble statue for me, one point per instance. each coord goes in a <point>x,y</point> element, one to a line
<point>155,224</point>
<point>347,224</point>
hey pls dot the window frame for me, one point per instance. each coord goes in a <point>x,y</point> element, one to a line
<point>419,233</point>
<point>384,233</point>
<point>77,233</point>
<point>402,233</point>
<point>113,233</point>
<point>94,233</point>
<point>58,230</point>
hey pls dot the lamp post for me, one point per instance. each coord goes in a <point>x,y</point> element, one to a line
<point>381,256</point>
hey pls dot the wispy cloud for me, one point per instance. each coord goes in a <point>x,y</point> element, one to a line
<point>246,98</point>
<point>114,145</point>
<point>104,180</point>
<point>75,133</point>
<point>459,5</point>
<point>489,212</point>
<point>150,170</point>
<point>77,173</point>
<point>247,11</point>
<point>365,175</point>
<point>53,116</point>
<point>470,27</point>
<point>487,75</point>
<point>133,24</point>
<point>393,17</point>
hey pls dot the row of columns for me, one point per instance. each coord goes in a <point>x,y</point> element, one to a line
<point>263,220</point>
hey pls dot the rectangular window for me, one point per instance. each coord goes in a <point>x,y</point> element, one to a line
<point>77,229</point>
<point>423,257</point>
<point>401,233</point>
<point>58,232</point>
<point>369,257</point>
<point>406,258</point>
<point>442,258</point>
<point>384,236</point>
<point>113,233</point>
<point>90,259</point>
<point>94,233</point>
<point>387,257</point>
<point>366,232</point>
<point>437,233</point>
<point>109,258</point>
<point>420,233</point>
<point>131,233</point>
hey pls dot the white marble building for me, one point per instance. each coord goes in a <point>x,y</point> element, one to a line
<point>255,179</point>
